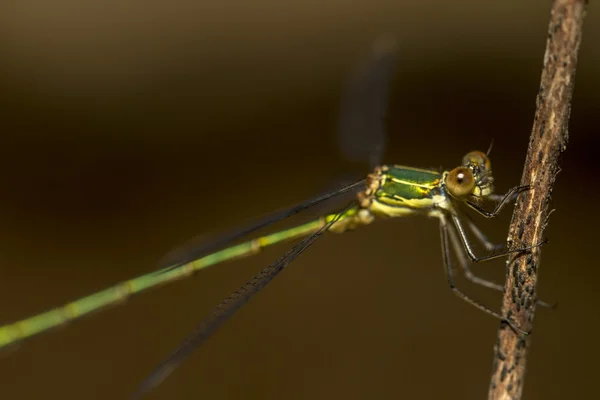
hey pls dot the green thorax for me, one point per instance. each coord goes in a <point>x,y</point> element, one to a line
<point>406,188</point>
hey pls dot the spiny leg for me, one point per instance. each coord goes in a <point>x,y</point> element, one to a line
<point>489,245</point>
<point>465,264</point>
<point>466,267</point>
<point>469,250</point>
<point>502,201</point>
<point>460,293</point>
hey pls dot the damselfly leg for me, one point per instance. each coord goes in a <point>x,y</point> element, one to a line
<point>466,265</point>
<point>502,201</point>
<point>444,233</point>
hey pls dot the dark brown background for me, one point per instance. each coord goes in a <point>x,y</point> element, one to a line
<point>130,126</point>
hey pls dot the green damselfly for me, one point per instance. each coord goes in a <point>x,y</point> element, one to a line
<point>389,191</point>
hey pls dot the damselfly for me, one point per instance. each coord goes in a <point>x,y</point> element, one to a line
<point>389,191</point>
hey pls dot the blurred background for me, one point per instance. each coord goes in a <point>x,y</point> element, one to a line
<point>129,127</point>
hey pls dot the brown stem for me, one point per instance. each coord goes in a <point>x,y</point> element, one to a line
<point>548,140</point>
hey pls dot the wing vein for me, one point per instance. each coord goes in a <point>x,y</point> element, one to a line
<point>227,308</point>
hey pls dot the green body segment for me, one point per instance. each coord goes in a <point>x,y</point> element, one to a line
<point>401,190</point>
<point>26,328</point>
<point>408,188</point>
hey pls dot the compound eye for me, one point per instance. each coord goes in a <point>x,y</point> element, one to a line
<point>460,182</point>
<point>478,159</point>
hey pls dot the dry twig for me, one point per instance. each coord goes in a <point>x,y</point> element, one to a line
<point>548,140</point>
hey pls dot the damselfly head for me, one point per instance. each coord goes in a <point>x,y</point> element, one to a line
<point>478,162</point>
<point>481,167</point>
<point>473,179</point>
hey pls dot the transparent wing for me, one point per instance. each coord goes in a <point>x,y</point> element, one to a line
<point>228,307</point>
<point>361,130</point>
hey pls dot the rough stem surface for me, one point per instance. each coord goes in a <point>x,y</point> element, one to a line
<point>548,140</point>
